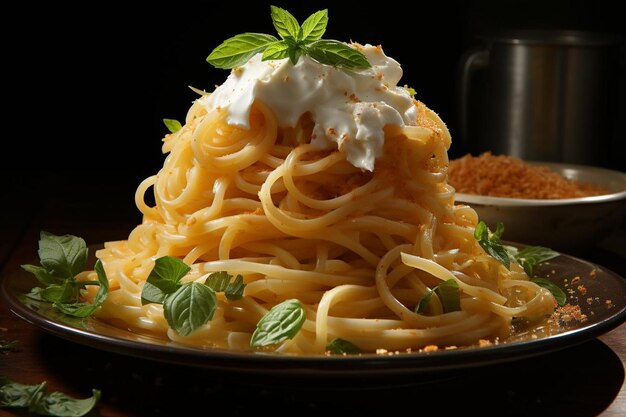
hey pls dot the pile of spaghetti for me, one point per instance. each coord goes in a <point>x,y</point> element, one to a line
<point>358,244</point>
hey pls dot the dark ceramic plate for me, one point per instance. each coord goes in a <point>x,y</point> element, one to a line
<point>603,303</point>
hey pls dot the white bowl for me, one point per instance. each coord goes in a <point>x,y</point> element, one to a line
<point>564,224</point>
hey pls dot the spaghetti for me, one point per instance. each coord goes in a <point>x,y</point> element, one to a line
<point>358,248</point>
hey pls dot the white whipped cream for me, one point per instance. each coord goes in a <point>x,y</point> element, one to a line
<point>349,109</point>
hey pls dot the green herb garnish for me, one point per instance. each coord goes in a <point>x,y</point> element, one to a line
<point>296,40</point>
<point>448,293</point>
<point>423,302</point>
<point>172,125</point>
<point>528,257</point>
<point>234,290</point>
<point>187,306</point>
<point>78,309</point>
<point>557,292</point>
<point>34,398</point>
<point>62,258</point>
<point>222,282</point>
<point>163,279</point>
<point>282,322</point>
<point>490,242</point>
<point>531,256</point>
<point>340,346</point>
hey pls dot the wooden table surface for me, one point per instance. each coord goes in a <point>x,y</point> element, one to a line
<point>583,380</point>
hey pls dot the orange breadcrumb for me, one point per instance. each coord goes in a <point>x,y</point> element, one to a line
<point>568,313</point>
<point>506,176</point>
<point>484,343</point>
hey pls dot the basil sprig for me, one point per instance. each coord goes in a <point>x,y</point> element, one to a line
<point>34,398</point>
<point>282,322</point>
<point>296,40</point>
<point>187,306</point>
<point>449,294</point>
<point>528,258</point>
<point>61,259</point>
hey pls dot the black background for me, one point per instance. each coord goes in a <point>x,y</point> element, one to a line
<point>86,87</point>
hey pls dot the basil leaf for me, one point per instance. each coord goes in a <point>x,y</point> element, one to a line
<point>558,293</point>
<point>221,282</point>
<point>336,54</point>
<point>234,290</point>
<point>237,50</point>
<point>80,310</point>
<point>286,25</point>
<point>423,302</point>
<point>63,293</point>
<point>59,404</point>
<point>340,346</point>
<point>172,125</point>
<point>14,394</point>
<point>218,281</point>
<point>282,322</point>
<point>42,275</point>
<point>35,294</point>
<point>490,242</point>
<point>62,256</point>
<point>163,279</point>
<point>85,309</point>
<point>294,54</point>
<point>531,256</point>
<point>528,265</point>
<point>152,294</point>
<point>103,292</point>
<point>32,397</point>
<point>277,50</point>
<point>481,232</point>
<point>449,295</point>
<point>190,307</point>
<point>314,26</point>
<point>538,253</point>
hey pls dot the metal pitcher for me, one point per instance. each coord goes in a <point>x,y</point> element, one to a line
<point>543,95</point>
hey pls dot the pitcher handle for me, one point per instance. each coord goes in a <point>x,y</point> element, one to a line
<point>471,61</point>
